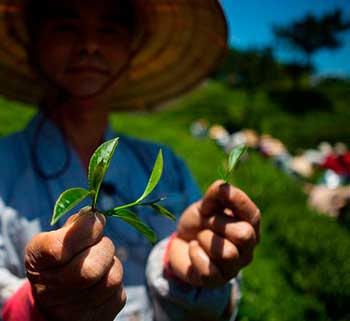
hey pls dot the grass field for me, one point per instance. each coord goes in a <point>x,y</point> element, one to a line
<point>301,268</point>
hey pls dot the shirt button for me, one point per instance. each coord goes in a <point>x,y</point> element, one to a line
<point>122,253</point>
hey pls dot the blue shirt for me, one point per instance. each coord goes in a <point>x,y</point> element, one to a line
<point>41,149</point>
<point>37,165</point>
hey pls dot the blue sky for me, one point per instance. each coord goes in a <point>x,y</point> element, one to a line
<point>250,23</point>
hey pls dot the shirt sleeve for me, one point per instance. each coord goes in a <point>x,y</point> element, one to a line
<point>14,234</point>
<point>21,306</point>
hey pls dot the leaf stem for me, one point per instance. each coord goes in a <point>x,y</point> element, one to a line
<point>122,207</point>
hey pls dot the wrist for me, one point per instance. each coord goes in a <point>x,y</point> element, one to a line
<point>166,258</point>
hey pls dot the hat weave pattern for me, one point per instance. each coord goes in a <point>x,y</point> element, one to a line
<point>182,42</point>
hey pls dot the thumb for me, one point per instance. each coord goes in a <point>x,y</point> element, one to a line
<point>51,249</point>
<point>213,200</point>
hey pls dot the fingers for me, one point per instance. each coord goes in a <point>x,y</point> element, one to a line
<point>190,222</point>
<point>190,263</point>
<point>216,237</point>
<point>228,256</point>
<point>84,270</point>
<point>220,250</point>
<point>222,196</point>
<point>108,284</point>
<point>102,301</point>
<point>203,268</point>
<point>180,262</point>
<point>74,272</point>
<point>240,233</point>
<point>53,249</point>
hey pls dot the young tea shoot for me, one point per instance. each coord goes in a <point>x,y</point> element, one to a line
<point>233,159</point>
<point>98,166</point>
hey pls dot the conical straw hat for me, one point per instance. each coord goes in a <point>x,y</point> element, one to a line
<point>183,41</point>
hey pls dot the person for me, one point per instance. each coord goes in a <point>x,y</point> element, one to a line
<point>78,60</point>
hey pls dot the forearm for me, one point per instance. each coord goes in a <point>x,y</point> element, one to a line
<point>173,300</point>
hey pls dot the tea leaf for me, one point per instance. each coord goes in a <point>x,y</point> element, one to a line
<point>163,211</point>
<point>132,219</point>
<point>152,202</point>
<point>98,166</point>
<point>233,160</point>
<point>222,174</point>
<point>67,201</point>
<point>235,156</point>
<point>99,172</point>
<point>154,178</point>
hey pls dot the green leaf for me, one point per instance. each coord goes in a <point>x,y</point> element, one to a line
<point>67,201</point>
<point>163,211</point>
<point>98,166</point>
<point>235,156</point>
<point>132,219</point>
<point>152,183</point>
<point>154,178</point>
<point>222,174</point>
<point>152,202</point>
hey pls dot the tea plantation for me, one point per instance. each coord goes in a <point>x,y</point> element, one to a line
<point>301,269</point>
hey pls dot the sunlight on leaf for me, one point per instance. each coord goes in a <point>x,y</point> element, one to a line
<point>98,166</point>
<point>67,201</point>
<point>132,219</point>
<point>163,211</point>
<point>235,156</point>
<point>154,178</point>
<point>233,159</point>
<point>222,174</point>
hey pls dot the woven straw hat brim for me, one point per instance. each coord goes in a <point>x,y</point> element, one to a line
<point>183,42</point>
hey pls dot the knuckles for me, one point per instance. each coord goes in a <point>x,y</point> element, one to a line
<point>190,222</point>
<point>42,251</point>
<point>229,253</point>
<point>85,269</point>
<point>245,234</point>
<point>56,299</point>
<point>115,276</point>
<point>95,263</point>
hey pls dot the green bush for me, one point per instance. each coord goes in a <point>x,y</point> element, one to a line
<point>338,92</point>
<point>312,251</point>
<point>13,116</point>
<point>213,101</point>
<point>307,131</point>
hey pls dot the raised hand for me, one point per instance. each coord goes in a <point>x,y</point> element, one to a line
<point>216,237</point>
<point>74,273</point>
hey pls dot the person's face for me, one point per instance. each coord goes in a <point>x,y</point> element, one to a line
<point>82,45</point>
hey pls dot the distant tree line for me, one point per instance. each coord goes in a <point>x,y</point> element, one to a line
<point>256,68</point>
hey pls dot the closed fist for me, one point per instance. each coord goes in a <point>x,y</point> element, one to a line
<point>216,237</point>
<point>74,272</point>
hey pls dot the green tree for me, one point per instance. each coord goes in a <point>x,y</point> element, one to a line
<point>249,69</point>
<point>311,34</point>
